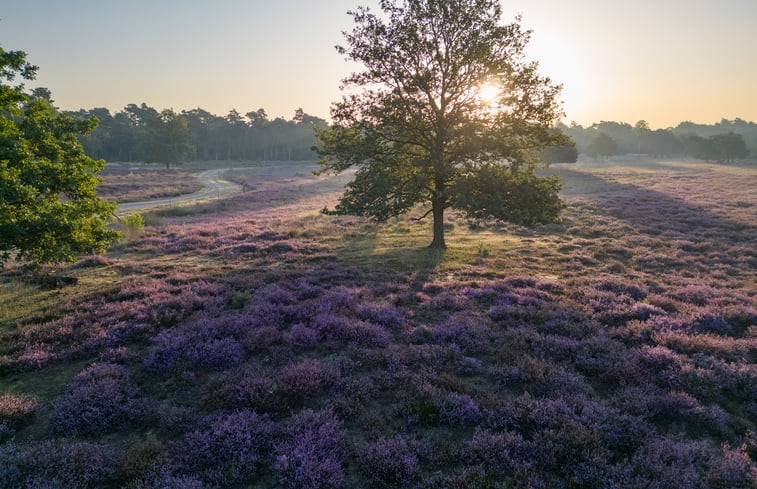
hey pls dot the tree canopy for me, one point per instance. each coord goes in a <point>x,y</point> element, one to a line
<point>447,111</point>
<point>48,208</point>
<point>142,133</point>
<point>602,145</point>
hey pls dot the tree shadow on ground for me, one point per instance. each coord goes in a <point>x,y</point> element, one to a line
<point>654,212</point>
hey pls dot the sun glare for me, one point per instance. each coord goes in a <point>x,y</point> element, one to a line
<point>488,94</point>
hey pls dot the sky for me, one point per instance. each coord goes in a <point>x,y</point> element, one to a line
<point>662,61</point>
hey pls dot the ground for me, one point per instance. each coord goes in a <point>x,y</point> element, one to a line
<point>253,342</point>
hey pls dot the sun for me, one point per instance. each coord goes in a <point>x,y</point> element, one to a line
<point>488,94</point>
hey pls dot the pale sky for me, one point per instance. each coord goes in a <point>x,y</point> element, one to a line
<point>660,60</point>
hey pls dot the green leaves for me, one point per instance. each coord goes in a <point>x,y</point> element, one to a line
<point>48,208</point>
<point>506,194</point>
<point>418,126</point>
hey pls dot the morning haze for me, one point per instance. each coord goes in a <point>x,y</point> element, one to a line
<point>664,62</point>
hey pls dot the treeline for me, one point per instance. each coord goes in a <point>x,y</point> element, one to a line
<point>142,133</point>
<point>725,141</point>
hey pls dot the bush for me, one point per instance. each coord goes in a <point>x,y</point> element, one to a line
<point>133,225</point>
<point>56,464</point>
<point>227,449</point>
<point>390,462</point>
<point>100,399</point>
<point>16,410</point>
<point>312,454</point>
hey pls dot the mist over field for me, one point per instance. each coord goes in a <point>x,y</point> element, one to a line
<point>444,283</point>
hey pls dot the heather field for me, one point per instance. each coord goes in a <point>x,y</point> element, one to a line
<point>253,342</point>
<point>126,183</point>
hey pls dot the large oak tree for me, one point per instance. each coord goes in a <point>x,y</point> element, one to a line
<point>447,112</point>
<point>48,208</point>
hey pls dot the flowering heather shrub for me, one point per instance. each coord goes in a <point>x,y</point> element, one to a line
<point>389,462</point>
<point>301,337</point>
<point>469,331</point>
<point>344,330</point>
<point>707,322</point>
<point>168,347</point>
<point>251,388</point>
<point>172,418</point>
<point>618,287</point>
<point>219,354</point>
<point>455,408</point>
<point>276,295</point>
<point>449,301</point>
<point>116,355</point>
<point>502,453</point>
<point>670,462</point>
<point>485,294</point>
<point>261,339</point>
<point>574,453</point>
<point>727,348</point>
<point>100,399</point>
<point>694,294</point>
<point>682,406</point>
<point>659,357</point>
<point>60,463</point>
<point>226,449</point>
<point>338,300</point>
<point>313,452</point>
<point>381,314</point>
<point>306,290</point>
<point>469,366</point>
<point>16,410</point>
<point>306,379</point>
<point>169,481</point>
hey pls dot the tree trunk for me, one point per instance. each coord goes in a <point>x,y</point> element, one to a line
<point>438,212</point>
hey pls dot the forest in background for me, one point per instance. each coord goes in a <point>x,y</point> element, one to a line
<point>724,141</point>
<point>140,133</point>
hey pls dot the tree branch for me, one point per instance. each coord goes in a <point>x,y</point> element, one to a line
<point>424,216</point>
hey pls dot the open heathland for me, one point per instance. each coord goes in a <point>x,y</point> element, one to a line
<point>131,183</point>
<point>254,342</point>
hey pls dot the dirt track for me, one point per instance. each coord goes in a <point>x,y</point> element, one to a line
<point>214,187</point>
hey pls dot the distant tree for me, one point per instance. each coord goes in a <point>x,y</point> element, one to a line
<point>566,153</point>
<point>48,208</point>
<point>662,142</point>
<point>698,147</point>
<point>723,148</point>
<point>449,113</point>
<point>43,93</point>
<point>729,147</point>
<point>624,135</point>
<point>642,132</point>
<point>602,146</point>
<point>168,140</point>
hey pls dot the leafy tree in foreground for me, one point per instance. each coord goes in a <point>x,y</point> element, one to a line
<point>448,113</point>
<point>48,208</point>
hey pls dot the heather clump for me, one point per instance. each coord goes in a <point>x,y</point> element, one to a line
<point>60,463</point>
<point>390,462</point>
<point>100,399</point>
<point>225,449</point>
<point>17,410</point>
<point>312,453</point>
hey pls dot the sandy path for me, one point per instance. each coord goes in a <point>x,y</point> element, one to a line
<point>214,186</point>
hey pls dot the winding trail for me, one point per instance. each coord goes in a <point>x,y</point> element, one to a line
<point>214,186</point>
